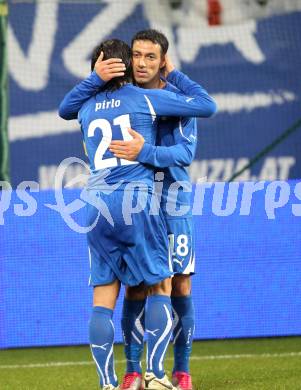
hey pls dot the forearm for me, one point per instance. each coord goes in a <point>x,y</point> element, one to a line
<point>185,84</point>
<point>195,102</point>
<point>83,91</point>
<point>165,156</point>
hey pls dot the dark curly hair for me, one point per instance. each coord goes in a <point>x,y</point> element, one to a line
<point>119,49</point>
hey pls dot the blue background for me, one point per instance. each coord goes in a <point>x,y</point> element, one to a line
<point>248,280</point>
<point>221,68</point>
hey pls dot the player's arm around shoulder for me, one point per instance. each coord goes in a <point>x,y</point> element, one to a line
<point>74,99</point>
<point>103,72</point>
<point>166,103</point>
<point>187,86</point>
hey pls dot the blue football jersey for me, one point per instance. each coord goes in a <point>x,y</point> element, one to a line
<point>108,115</point>
<point>174,151</point>
<point>177,131</point>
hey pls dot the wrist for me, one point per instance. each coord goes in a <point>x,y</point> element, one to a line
<point>144,152</point>
<point>97,80</point>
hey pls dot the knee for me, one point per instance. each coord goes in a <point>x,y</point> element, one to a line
<point>136,293</point>
<point>181,285</point>
<point>162,288</point>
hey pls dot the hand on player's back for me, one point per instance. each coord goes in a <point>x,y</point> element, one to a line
<point>108,69</point>
<point>169,66</point>
<point>128,150</point>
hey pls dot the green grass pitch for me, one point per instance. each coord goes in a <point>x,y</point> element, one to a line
<point>258,364</point>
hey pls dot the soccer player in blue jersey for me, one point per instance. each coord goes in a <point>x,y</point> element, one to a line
<point>119,251</point>
<point>176,145</point>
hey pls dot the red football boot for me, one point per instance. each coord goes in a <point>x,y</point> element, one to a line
<point>132,381</point>
<point>182,380</point>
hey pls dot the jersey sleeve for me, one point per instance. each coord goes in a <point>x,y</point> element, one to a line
<point>184,83</point>
<point>165,103</point>
<point>75,98</point>
<point>180,154</point>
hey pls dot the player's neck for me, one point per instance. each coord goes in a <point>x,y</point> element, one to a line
<point>157,83</point>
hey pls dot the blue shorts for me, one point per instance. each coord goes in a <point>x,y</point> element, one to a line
<point>132,253</point>
<point>181,244</point>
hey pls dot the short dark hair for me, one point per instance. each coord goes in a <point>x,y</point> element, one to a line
<point>119,49</point>
<point>154,36</point>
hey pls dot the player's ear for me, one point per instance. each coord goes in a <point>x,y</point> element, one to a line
<point>162,63</point>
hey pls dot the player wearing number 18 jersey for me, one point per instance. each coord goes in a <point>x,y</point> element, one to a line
<point>175,149</point>
<point>135,252</point>
<point>107,116</point>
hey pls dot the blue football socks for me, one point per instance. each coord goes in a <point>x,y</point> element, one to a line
<point>158,325</point>
<point>184,322</point>
<point>101,337</point>
<point>132,323</point>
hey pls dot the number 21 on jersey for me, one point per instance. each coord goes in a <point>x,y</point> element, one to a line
<point>105,127</point>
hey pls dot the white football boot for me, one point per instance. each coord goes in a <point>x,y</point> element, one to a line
<point>154,383</point>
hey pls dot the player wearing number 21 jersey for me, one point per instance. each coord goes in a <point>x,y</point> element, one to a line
<point>108,115</point>
<point>131,250</point>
